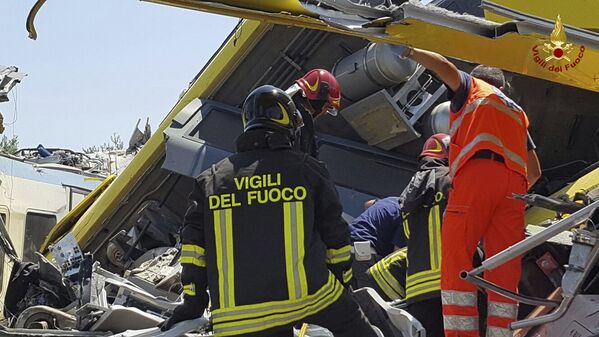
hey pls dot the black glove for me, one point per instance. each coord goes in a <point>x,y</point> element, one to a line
<point>182,312</point>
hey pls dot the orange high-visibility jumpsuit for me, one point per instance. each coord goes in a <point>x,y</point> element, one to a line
<point>488,162</point>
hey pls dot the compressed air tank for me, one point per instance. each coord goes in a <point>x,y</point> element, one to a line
<point>371,69</point>
<point>438,120</point>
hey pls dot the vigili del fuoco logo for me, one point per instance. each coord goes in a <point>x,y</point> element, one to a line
<point>556,54</point>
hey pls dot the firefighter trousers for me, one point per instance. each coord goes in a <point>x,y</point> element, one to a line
<point>344,318</point>
<point>480,207</point>
<point>428,313</point>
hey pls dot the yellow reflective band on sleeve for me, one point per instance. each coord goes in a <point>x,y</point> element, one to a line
<point>347,276</point>
<point>423,288</point>
<point>406,225</point>
<point>223,232</point>
<point>383,277</point>
<point>378,275</point>
<point>423,276</point>
<point>342,254</point>
<point>189,289</point>
<point>293,220</point>
<point>192,254</point>
<point>434,237</point>
<point>193,249</point>
<point>245,319</point>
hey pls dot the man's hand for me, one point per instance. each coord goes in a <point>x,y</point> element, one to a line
<point>183,312</point>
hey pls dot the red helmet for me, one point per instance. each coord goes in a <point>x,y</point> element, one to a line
<point>321,85</point>
<point>436,146</point>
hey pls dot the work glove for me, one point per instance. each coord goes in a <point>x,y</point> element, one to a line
<point>183,312</point>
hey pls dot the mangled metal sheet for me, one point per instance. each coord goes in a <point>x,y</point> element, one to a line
<point>523,46</point>
<point>9,77</point>
<point>579,13</point>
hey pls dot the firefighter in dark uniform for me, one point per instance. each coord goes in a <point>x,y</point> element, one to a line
<point>314,94</point>
<point>415,273</point>
<point>264,233</point>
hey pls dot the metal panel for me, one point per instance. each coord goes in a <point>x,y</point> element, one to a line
<point>188,146</point>
<point>380,121</point>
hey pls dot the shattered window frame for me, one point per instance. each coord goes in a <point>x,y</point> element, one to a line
<point>32,241</point>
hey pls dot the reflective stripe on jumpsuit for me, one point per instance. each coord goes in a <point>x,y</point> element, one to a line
<point>481,206</point>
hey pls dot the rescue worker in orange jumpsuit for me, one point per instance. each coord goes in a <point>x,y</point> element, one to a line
<point>489,160</point>
<point>314,94</point>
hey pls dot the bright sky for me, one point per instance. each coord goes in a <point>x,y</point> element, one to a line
<point>99,65</point>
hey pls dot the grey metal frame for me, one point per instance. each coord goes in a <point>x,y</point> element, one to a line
<point>584,254</point>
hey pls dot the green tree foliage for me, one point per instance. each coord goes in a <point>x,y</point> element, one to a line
<point>115,143</point>
<point>9,145</point>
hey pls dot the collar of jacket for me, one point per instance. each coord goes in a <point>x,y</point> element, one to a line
<point>262,139</point>
<point>430,163</point>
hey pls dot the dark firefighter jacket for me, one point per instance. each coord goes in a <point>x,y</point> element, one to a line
<point>306,140</point>
<point>264,232</point>
<point>414,273</point>
<point>424,201</point>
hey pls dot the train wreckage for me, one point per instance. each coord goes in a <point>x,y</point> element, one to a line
<point>109,268</point>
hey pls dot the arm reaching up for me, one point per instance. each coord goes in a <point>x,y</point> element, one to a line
<point>437,63</point>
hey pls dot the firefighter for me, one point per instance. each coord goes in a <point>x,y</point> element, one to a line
<point>414,273</point>
<point>375,233</point>
<point>264,233</point>
<point>314,94</point>
<point>489,160</point>
<point>424,201</point>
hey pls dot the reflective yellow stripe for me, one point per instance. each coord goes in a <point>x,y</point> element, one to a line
<point>293,220</point>
<point>194,261</point>
<point>257,317</point>
<point>193,249</point>
<point>272,307</point>
<point>377,274</point>
<point>423,288</point>
<point>347,276</point>
<point>423,276</point>
<point>231,268</point>
<point>289,266</point>
<point>193,254</point>
<point>406,225</point>
<point>189,289</point>
<point>301,251</point>
<point>383,277</point>
<point>342,254</point>
<point>434,239</point>
<point>223,232</point>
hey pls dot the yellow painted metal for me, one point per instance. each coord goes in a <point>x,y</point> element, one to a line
<point>523,54</point>
<point>578,13</point>
<point>588,182</point>
<point>517,53</point>
<point>277,14</point>
<point>529,55</point>
<point>224,62</point>
<point>66,223</point>
<point>289,6</point>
